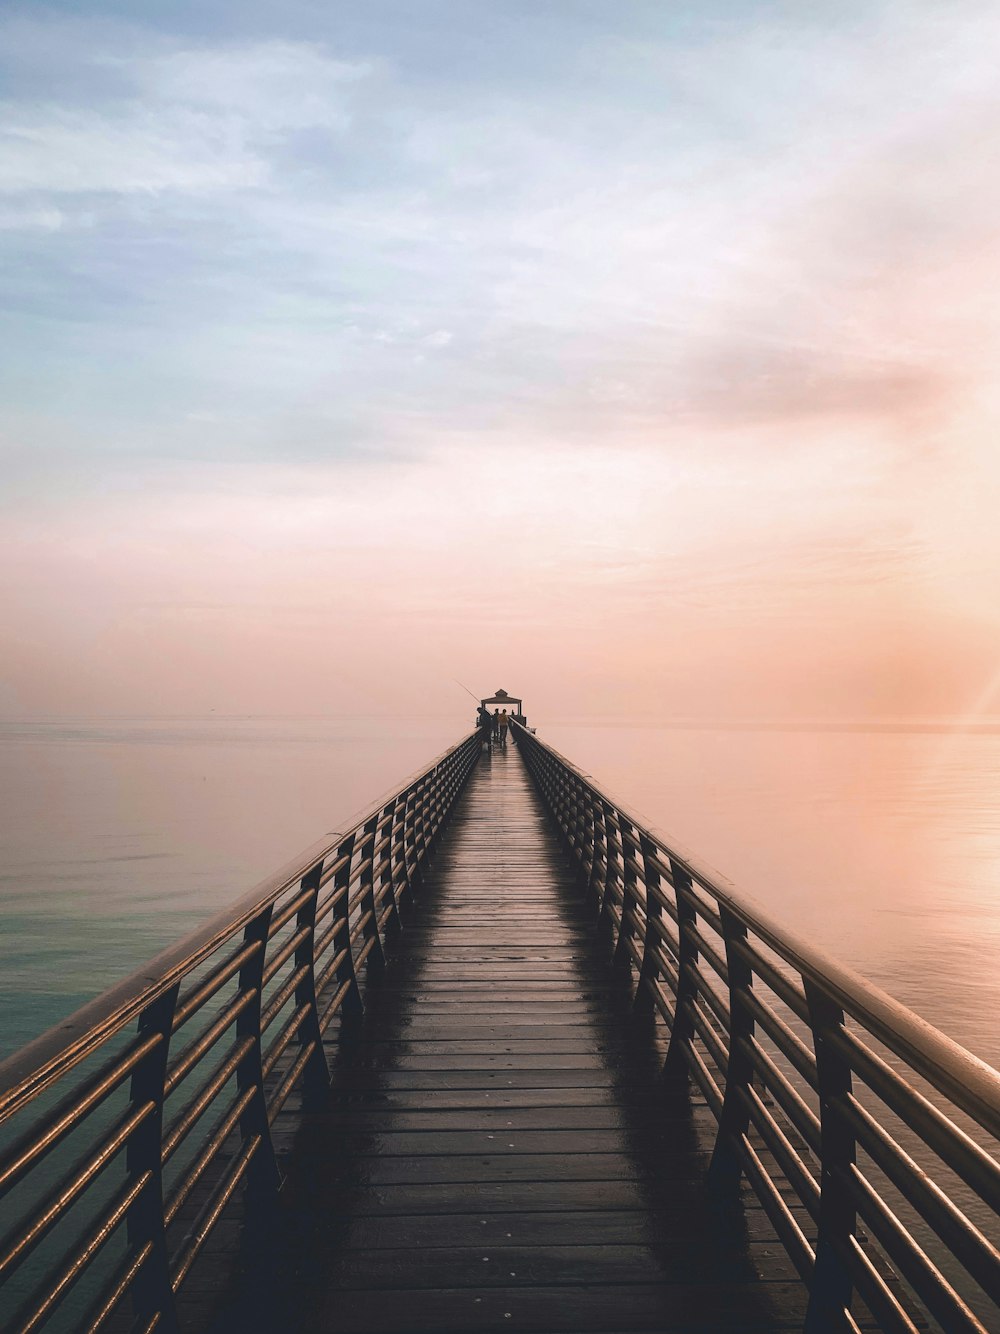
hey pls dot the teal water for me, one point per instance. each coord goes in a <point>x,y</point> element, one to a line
<point>118,837</point>
<point>881,846</point>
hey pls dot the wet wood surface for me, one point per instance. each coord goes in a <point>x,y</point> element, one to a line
<point>497,1153</point>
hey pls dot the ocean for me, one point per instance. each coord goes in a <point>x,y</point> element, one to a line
<point>881,844</point>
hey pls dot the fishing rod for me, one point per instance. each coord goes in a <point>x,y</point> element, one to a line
<point>465,688</point>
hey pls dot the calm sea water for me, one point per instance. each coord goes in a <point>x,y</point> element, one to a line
<point>880,846</point>
<point>118,837</point>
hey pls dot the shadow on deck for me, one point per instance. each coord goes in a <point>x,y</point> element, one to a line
<point>498,1153</point>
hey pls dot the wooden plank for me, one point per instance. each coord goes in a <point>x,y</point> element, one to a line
<point>534,1260</point>
<point>486,1197</point>
<point>431,1100</point>
<point>590,1308</point>
<point>487,1167</point>
<point>580,1077</point>
<point>437,1120</point>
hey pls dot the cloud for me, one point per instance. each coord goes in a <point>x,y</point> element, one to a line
<point>614,314</point>
<point>43,219</point>
<point>182,120</point>
<point>717,224</point>
<point>271,85</point>
<point>140,153</point>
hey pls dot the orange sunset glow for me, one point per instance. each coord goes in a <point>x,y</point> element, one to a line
<point>662,378</point>
<point>500,673</point>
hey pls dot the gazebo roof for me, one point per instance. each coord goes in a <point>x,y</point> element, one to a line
<point>501,697</point>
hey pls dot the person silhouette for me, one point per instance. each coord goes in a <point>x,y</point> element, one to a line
<point>485,724</point>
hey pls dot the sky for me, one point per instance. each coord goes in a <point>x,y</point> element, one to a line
<point>637,358</point>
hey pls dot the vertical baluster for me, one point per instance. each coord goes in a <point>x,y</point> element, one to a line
<point>401,851</point>
<point>387,893</point>
<point>347,979</point>
<point>599,866</point>
<point>648,973</point>
<point>410,840</point>
<point>433,816</point>
<point>579,822</point>
<point>573,815</point>
<point>630,899</point>
<point>831,1288</point>
<point>550,785</point>
<point>366,904</point>
<point>441,799</point>
<point>568,813</point>
<point>543,780</point>
<point>726,1169</point>
<point>605,920</point>
<point>675,1067</point>
<point>436,797</point>
<point>263,1177</point>
<point>316,1076</point>
<point>547,785</point>
<point>456,783</point>
<point>152,1294</point>
<point>565,811</point>
<point>563,819</point>
<point>427,831</point>
<point>587,835</point>
<point>419,833</point>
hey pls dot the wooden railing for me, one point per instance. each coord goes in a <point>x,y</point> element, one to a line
<point>869,1137</point>
<point>128,1131</point>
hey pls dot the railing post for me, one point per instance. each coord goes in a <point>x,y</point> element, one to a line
<point>316,1076</point>
<point>417,831</point>
<point>376,955</point>
<point>387,885</point>
<point>725,1169</point>
<point>351,1007</point>
<point>587,832</point>
<point>577,826</point>
<point>549,785</point>
<point>435,813</point>
<point>564,810</point>
<point>152,1293</point>
<point>675,1067</point>
<point>643,1003</point>
<point>263,1176</point>
<point>595,890</point>
<point>623,958</point>
<point>400,846</point>
<point>605,922</point>
<point>831,1288</point>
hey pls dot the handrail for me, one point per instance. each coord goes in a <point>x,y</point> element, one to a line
<point>129,1128</point>
<point>838,1105</point>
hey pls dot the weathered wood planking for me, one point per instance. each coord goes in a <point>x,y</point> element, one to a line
<point>498,1154</point>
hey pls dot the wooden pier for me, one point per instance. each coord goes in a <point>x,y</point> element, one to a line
<point>497,1056</point>
<point>499,1153</point>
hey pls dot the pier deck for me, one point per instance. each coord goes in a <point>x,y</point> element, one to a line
<point>498,1152</point>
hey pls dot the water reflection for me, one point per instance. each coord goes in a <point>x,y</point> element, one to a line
<point>882,847</point>
<point>117,838</point>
